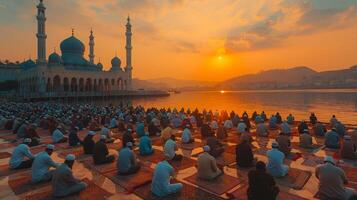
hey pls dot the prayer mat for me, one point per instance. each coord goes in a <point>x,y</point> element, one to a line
<point>5,170</point>
<point>187,192</point>
<point>63,145</point>
<point>231,149</point>
<point>330,150</point>
<point>78,152</point>
<point>183,164</point>
<point>92,191</point>
<point>261,151</point>
<point>115,146</point>
<point>46,140</point>
<point>233,139</point>
<point>296,178</point>
<point>190,146</point>
<point>294,156</point>
<point>10,137</point>
<point>351,173</point>
<point>157,142</point>
<point>43,132</point>
<point>225,159</point>
<point>5,132</point>
<point>103,168</point>
<point>156,157</point>
<point>22,184</point>
<point>219,185</point>
<point>37,149</point>
<point>7,145</point>
<point>241,194</point>
<point>5,155</point>
<point>312,160</point>
<point>315,147</point>
<point>133,181</point>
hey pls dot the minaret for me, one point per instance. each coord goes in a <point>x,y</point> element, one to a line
<point>41,33</point>
<point>91,47</point>
<point>128,48</point>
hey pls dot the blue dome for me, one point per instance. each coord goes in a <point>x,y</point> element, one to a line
<point>72,45</point>
<point>116,62</point>
<point>100,66</point>
<point>54,58</point>
<point>28,64</point>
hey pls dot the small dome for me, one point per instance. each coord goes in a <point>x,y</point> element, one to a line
<point>72,45</point>
<point>28,64</point>
<point>116,62</point>
<point>54,58</point>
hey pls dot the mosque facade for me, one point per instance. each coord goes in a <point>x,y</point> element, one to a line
<point>70,73</point>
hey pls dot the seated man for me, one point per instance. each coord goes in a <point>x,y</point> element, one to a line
<point>290,119</point>
<point>262,130</point>
<point>228,124</point>
<point>216,148</point>
<point>128,137</point>
<point>313,118</point>
<point>214,125</point>
<point>261,184</point>
<point>354,137</point>
<point>153,130</point>
<point>127,163</point>
<point>113,123</point>
<point>340,129</point>
<point>63,182</point>
<point>32,134</point>
<point>258,119</point>
<point>22,130</point>
<point>222,132</point>
<point>106,131</point>
<point>101,153</point>
<point>17,160</point>
<point>41,165</point>
<point>73,139</point>
<point>170,149</point>
<point>186,135</point>
<point>278,118</point>
<point>206,166</point>
<point>347,149</point>
<point>246,136</point>
<point>302,126</point>
<point>160,185</point>
<point>241,127</point>
<point>332,139</point>
<point>306,140</point>
<point>206,131</point>
<point>244,154</point>
<point>88,143</point>
<point>58,136</point>
<point>332,181</point>
<point>319,129</point>
<point>166,134</point>
<point>145,146</point>
<point>276,158</point>
<point>140,129</point>
<point>333,121</point>
<point>285,128</point>
<point>284,143</point>
<point>273,122</point>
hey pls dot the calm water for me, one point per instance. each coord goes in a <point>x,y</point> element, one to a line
<point>342,103</point>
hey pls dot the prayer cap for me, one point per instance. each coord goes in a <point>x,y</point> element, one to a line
<point>274,144</point>
<point>129,130</point>
<point>334,129</point>
<point>329,159</point>
<point>306,131</point>
<point>27,140</point>
<point>103,137</point>
<point>91,133</point>
<point>50,146</point>
<point>129,144</point>
<point>206,148</point>
<point>70,157</point>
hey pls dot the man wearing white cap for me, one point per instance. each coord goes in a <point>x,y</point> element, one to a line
<point>88,143</point>
<point>22,151</point>
<point>41,165</point>
<point>127,162</point>
<point>186,135</point>
<point>207,166</point>
<point>347,149</point>
<point>276,158</point>
<point>332,181</point>
<point>101,153</point>
<point>58,136</point>
<point>63,181</point>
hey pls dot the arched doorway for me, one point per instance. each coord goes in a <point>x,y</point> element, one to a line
<point>74,86</point>
<point>57,83</point>
<point>66,84</point>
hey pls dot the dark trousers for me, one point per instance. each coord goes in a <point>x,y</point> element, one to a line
<point>25,164</point>
<point>107,159</point>
<point>132,170</point>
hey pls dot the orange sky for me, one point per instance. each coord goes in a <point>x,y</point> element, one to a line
<point>193,39</point>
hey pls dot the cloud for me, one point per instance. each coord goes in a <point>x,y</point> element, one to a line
<point>292,19</point>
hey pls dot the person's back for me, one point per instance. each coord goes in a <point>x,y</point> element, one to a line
<point>57,136</point>
<point>63,181</point>
<point>140,129</point>
<point>262,130</point>
<point>348,149</point>
<point>88,144</point>
<point>332,140</point>
<point>222,133</point>
<point>241,127</point>
<point>40,167</point>
<point>305,141</point>
<point>285,128</point>
<point>125,160</point>
<point>319,129</point>
<point>73,139</point>
<point>276,165</point>
<point>215,146</point>
<point>284,144</point>
<point>302,126</point>
<point>244,155</point>
<point>273,122</point>
<point>145,146</point>
<point>340,129</point>
<point>261,184</point>
<point>186,136</point>
<point>331,181</point>
<point>207,167</point>
<point>21,132</point>
<point>18,155</point>
<point>127,137</point>
<point>160,184</point>
<point>100,152</point>
<point>170,149</point>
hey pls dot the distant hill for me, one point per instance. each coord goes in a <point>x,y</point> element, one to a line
<point>293,78</point>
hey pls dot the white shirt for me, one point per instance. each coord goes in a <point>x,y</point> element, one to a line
<point>170,149</point>
<point>41,165</point>
<point>18,155</point>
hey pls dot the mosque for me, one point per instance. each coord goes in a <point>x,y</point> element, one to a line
<point>71,74</point>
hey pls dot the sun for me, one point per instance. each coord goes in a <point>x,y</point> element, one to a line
<point>220,57</point>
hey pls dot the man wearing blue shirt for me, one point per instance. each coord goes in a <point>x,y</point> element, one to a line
<point>127,162</point>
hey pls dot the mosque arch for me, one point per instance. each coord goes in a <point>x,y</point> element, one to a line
<point>81,85</point>
<point>106,85</point>
<point>125,85</point>
<point>57,83</point>
<point>100,85</point>
<point>66,84</point>
<point>74,86</point>
<point>113,82</point>
<point>95,86</point>
<point>49,85</point>
<point>88,85</point>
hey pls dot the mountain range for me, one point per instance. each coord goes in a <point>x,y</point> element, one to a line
<point>292,78</point>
